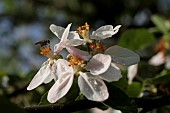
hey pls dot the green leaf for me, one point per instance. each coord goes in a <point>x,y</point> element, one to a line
<point>160,22</point>
<point>44,100</point>
<point>120,100</point>
<point>7,107</point>
<point>134,89</point>
<point>136,39</point>
<point>122,83</point>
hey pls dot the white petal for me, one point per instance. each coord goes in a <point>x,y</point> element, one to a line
<point>48,79</point>
<point>98,64</point>
<point>74,42</point>
<point>123,56</point>
<point>54,70</point>
<point>63,66</point>
<point>112,74</point>
<point>79,53</point>
<point>61,87</point>
<point>92,87</point>
<point>105,32</point>
<point>65,33</point>
<point>58,48</point>
<point>73,35</point>
<point>157,59</point>
<point>57,30</point>
<point>40,77</point>
<point>132,72</point>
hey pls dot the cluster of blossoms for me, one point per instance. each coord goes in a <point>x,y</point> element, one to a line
<point>91,66</point>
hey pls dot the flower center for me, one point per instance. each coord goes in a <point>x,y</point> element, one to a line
<point>84,31</point>
<point>45,48</point>
<point>97,46</point>
<point>74,61</point>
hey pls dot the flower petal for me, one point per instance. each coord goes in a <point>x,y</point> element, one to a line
<point>65,33</point>
<point>157,59</point>
<point>132,72</point>
<point>79,53</point>
<point>57,30</point>
<point>98,64</point>
<point>61,87</point>
<point>92,87</point>
<point>58,48</point>
<point>40,77</point>
<point>123,56</point>
<point>105,32</point>
<point>112,74</point>
<point>74,42</point>
<point>62,67</point>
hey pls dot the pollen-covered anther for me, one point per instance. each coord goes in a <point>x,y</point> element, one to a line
<point>99,47</point>
<point>74,61</point>
<point>84,30</point>
<point>45,48</point>
<point>45,51</point>
<point>92,45</point>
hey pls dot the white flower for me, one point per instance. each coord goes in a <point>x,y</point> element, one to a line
<point>68,40</point>
<point>47,71</point>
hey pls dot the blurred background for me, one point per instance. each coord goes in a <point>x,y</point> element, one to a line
<point>24,22</point>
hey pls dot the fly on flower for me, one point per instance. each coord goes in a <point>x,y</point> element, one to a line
<point>47,71</point>
<point>91,68</point>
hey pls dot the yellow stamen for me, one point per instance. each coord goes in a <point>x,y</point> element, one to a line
<point>84,31</point>
<point>45,48</point>
<point>74,61</point>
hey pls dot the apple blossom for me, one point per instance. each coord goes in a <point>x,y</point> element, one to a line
<point>47,71</point>
<point>68,40</point>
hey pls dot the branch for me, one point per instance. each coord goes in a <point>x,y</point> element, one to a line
<point>65,108</point>
<point>146,103</point>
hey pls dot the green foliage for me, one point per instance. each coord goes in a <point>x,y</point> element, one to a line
<point>118,99</point>
<point>122,83</point>
<point>161,23</point>
<point>136,39</point>
<point>8,107</point>
<point>134,89</point>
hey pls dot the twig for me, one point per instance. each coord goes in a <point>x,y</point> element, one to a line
<point>146,103</point>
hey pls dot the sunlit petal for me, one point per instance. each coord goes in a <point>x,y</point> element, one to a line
<point>74,42</point>
<point>63,66</point>
<point>61,87</point>
<point>57,30</point>
<point>112,74</point>
<point>98,64</point>
<point>40,77</point>
<point>65,33</point>
<point>123,56</point>
<point>58,48</point>
<point>104,32</point>
<point>92,87</point>
<point>79,53</point>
